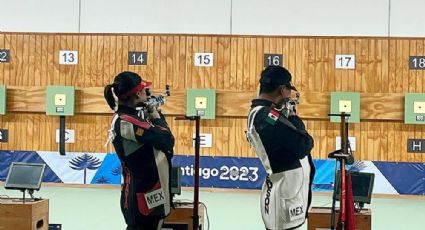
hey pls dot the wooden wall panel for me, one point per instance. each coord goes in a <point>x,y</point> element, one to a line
<point>2,45</point>
<point>376,140</point>
<point>231,104</point>
<point>90,103</point>
<point>382,76</point>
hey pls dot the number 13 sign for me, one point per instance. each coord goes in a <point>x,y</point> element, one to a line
<point>67,57</point>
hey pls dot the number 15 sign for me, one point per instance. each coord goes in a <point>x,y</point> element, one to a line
<point>204,59</point>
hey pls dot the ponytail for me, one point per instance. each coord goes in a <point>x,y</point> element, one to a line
<point>109,96</point>
<point>123,83</point>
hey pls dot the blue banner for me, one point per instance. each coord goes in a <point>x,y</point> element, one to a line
<point>7,157</point>
<point>412,174</point>
<point>222,172</point>
<point>218,172</point>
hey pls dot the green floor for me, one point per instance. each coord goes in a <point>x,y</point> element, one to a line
<point>98,209</point>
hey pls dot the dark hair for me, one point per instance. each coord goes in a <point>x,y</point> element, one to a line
<point>123,82</point>
<point>272,77</point>
<point>268,88</point>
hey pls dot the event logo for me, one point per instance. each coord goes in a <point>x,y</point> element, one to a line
<point>225,173</point>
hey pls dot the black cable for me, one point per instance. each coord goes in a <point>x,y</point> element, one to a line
<point>349,147</point>
<point>206,213</point>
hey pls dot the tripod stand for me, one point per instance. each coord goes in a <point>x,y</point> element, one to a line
<point>343,157</point>
<point>196,176</point>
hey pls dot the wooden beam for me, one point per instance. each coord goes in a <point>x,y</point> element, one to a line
<point>314,105</point>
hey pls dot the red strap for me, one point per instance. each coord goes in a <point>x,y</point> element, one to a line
<point>161,128</point>
<point>141,124</point>
<point>136,89</point>
<point>132,120</point>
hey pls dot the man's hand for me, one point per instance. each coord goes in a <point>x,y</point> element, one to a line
<point>153,113</point>
<point>292,108</point>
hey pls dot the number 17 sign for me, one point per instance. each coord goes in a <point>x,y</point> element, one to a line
<point>345,61</point>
